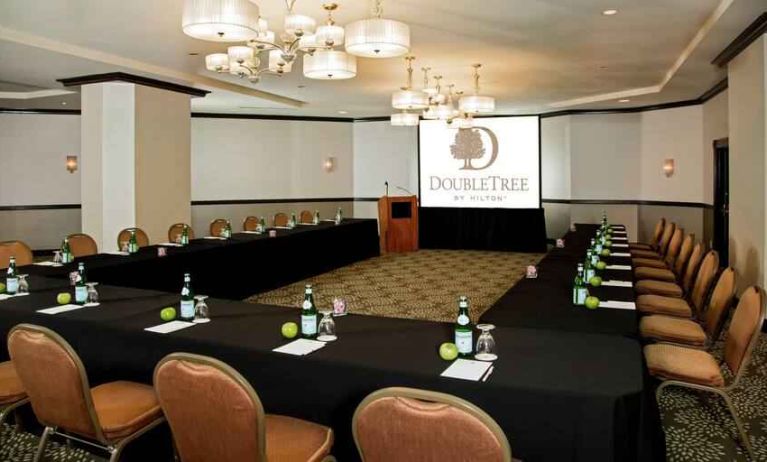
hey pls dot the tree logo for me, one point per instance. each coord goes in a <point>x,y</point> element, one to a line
<point>468,145</point>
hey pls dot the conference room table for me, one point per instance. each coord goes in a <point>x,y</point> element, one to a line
<point>244,265</point>
<point>557,395</point>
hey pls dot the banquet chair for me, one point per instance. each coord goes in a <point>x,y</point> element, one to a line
<point>17,249</point>
<point>658,301</point>
<point>654,241</point>
<point>141,238</point>
<point>175,231</point>
<point>280,219</point>
<point>678,366</point>
<point>409,425</point>
<point>12,394</point>
<point>665,239</point>
<point>674,289</point>
<point>250,223</point>
<point>306,217</point>
<point>217,225</point>
<point>82,245</point>
<point>665,260</point>
<point>675,269</point>
<point>199,395</point>
<point>664,328</point>
<point>108,416</point>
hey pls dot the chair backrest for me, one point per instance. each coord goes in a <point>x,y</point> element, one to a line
<point>719,303</point>
<point>692,266</point>
<point>674,246</point>
<point>216,226</point>
<point>306,217</point>
<point>658,232</point>
<point>703,281</point>
<point>82,245</point>
<point>16,249</point>
<point>744,330</point>
<point>410,425</point>
<point>175,231</point>
<point>684,255</point>
<point>250,223</point>
<point>124,236</point>
<point>665,238</point>
<point>212,410</point>
<point>280,219</point>
<point>54,379</point>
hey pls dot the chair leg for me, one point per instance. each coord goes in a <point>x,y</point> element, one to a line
<point>739,424</point>
<point>43,441</point>
<point>115,454</point>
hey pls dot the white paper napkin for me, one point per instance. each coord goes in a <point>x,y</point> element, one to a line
<point>300,347</point>
<point>169,244</point>
<point>621,245</point>
<point>6,296</point>
<point>122,254</point>
<point>467,369</point>
<point>619,239</point>
<point>619,267</point>
<point>613,283</point>
<point>48,263</point>
<point>215,238</point>
<point>618,305</point>
<point>620,254</point>
<point>61,309</point>
<point>168,327</point>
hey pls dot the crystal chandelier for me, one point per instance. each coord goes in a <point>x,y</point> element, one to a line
<point>377,37</point>
<point>476,104</point>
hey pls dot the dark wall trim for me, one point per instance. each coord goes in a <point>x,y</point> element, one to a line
<point>699,205</point>
<point>373,119</point>
<point>124,77</point>
<point>742,41</point>
<point>713,91</point>
<point>6,110</point>
<point>285,200</point>
<point>216,115</point>
<point>39,207</point>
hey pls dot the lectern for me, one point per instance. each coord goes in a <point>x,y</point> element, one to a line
<point>398,219</point>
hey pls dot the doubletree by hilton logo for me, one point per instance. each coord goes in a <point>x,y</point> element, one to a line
<point>468,146</point>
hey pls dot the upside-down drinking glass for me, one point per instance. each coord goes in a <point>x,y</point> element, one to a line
<point>93,294</point>
<point>201,310</point>
<point>486,344</point>
<point>23,285</point>
<point>326,332</point>
<point>57,257</point>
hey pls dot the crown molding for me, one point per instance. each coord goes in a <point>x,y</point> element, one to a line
<point>755,30</point>
<point>131,78</point>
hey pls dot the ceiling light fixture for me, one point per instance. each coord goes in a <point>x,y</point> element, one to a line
<point>407,98</point>
<point>330,65</point>
<point>329,33</point>
<point>377,37</point>
<point>610,12</point>
<point>220,20</point>
<point>476,103</point>
<point>624,100</point>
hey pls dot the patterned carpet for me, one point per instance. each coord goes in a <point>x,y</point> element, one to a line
<point>418,285</point>
<point>21,447</point>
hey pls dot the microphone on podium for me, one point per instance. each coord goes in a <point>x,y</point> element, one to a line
<point>386,186</point>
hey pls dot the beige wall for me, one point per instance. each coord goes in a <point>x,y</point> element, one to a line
<point>747,75</point>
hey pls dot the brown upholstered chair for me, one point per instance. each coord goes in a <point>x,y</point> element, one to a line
<point>654,241</point>
<point>215,414</point>
<point>699,370</point>
<point>663,328</point>
<point>306,217</point>
<point>665,239</point>
<point>280,219</point>
<point>675,269</point>
<point>410,425</point>
<point>108,416</point>
<point>175,231</point>
<point>217,225</point>
<point>663,297</point>
<point>124,236</point>
<point>16,249</point>
<point>671,289</point>
<point>12,394</point>
<point>665,260</point>
<point>250,223</point>
<point>82,245</point>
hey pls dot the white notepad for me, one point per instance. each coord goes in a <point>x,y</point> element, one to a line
<point>215,238</point>
<point>620,245</point>
<point>169,244</point>
<point>122,254</point>
<point>61,309</point>
<point>467,369</point>
<point>612,283</point>
<point>619,267</point>
<point>281,227</point>
<point>620,254</point>
<point>618,305</point>
<point>300,347</point>
<point>48,263</point>
<point>306,224</point>
<point>619,239</point>
<point>251,232</point>
<point>168,327</point>
<point>6,296</point>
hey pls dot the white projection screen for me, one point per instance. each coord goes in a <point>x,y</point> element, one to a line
<point>496,164</point>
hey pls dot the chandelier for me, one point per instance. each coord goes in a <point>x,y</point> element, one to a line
<point>476,104</point>
<point>240,21</point>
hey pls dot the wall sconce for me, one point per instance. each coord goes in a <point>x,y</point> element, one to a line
<point>72,164</point>
<point>668,168</point>
<point>329,164</point>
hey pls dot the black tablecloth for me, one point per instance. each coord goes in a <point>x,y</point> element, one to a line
<point>238,267</point>
<point>516,230</point>
<point>557,395</point>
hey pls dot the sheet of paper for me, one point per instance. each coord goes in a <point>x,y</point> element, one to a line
<point>6,296</point>
<point>619,267</point>
<point>169,244</point>
<point>61,309</point>
<point>621,245</point>
<point>214,238</point>
<point>122,254</point>
<point>618,305</point>
<point>619,239</point>
<point>329,220</point>
<point>467,369</point>
<point>168,327</point>
<point>617,227</point>
<point>620,254</point>
<point>306,224</point>
<point>613,283</point>
<point>280,227</point>
<point>48,263</point>
<point>250,232</point>
<point>300,347</point>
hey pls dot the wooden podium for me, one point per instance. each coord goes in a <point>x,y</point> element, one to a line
<point>398,220</point>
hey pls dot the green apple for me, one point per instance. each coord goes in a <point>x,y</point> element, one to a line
<point>448,351</point>
<point>2,288</point>
<point>595,281</point>
<point>601,265</point>
<point>168,313</point>
<point>592,302</point>
<point>605,252</point>
<point>289,330</point>
<point>63,298</point>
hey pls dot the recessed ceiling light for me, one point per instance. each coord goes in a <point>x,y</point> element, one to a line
<point>301,86</point>
<point>624,100</point>
<point>343,112</point>
<point>63,103</point>
<point>193,54</point>
<point>609,12</point>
